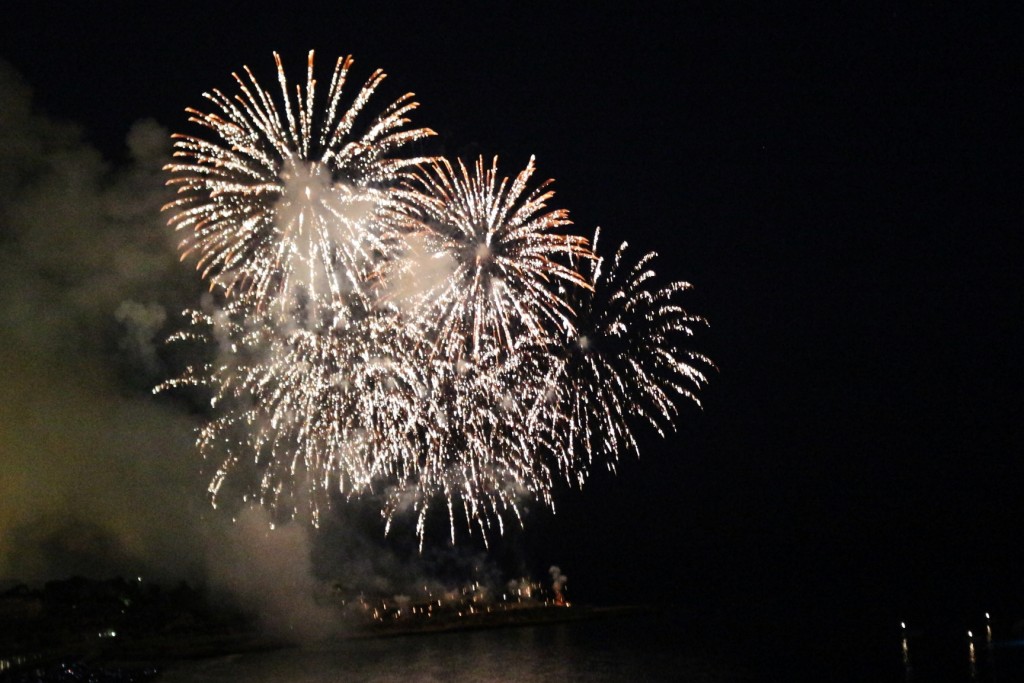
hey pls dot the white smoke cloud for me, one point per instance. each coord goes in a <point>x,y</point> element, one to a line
<point>268,568</point>
<point>419,274</point>
<point>558,579</point>
<point>314,213</point>
<point>142,323</point>
<point>97,477</point>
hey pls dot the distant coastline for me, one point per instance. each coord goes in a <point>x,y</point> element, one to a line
<point>131,630</point>
<point>501,618</point>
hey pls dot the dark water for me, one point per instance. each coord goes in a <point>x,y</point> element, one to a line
<point>645,648</point>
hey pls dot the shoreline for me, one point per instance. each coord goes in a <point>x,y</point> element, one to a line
<point>142,658</point>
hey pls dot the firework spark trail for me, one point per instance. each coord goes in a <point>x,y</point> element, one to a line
<point>405,328</point>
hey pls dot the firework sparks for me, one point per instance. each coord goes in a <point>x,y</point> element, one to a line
<point>628,357</point>
<point>405,328</point>
<point>289,201</point>
<point>506,249</point>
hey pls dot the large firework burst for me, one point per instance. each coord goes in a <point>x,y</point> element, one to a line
<point>406,328</point>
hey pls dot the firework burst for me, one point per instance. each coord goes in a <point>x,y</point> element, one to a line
<point>629,358</point>
<point>507,255</point>
<point>426,333</point>
<point>290,200</point>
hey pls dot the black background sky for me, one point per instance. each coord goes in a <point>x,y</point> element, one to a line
<point>840,183</point>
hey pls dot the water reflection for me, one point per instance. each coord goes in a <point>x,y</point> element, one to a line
<point>971,658</point>
<point>973,654</point>
<point>613,650</point>
<point>905,647</point>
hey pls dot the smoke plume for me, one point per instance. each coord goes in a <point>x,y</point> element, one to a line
<point>99,477</point>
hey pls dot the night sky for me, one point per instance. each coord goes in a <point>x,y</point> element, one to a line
<point>841,186</point>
